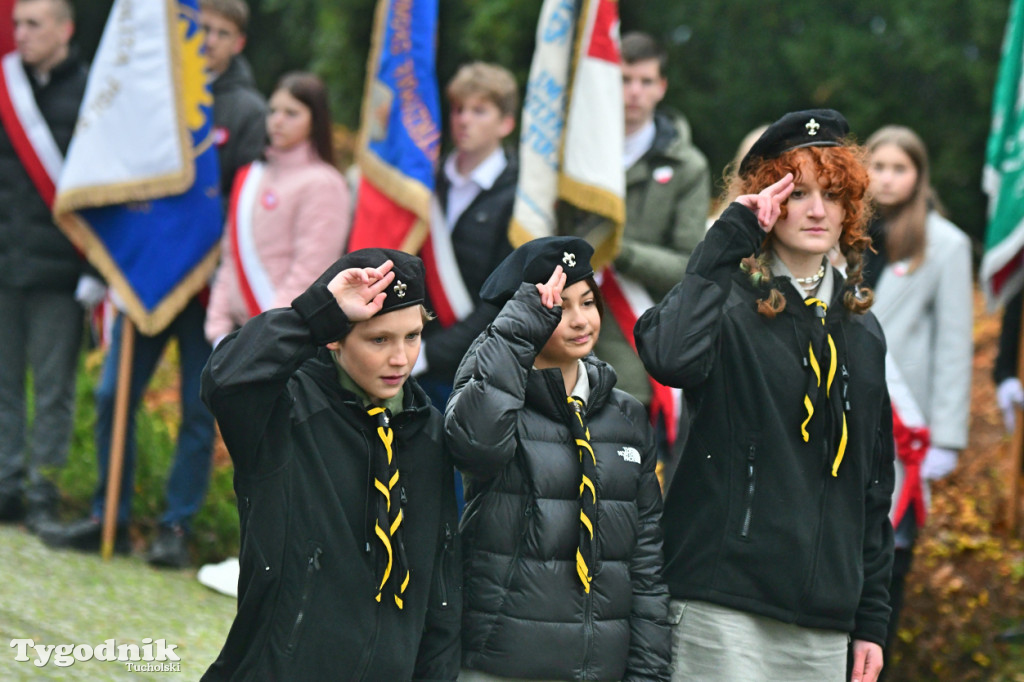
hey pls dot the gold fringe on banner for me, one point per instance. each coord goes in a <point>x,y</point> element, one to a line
<point>148,322</point>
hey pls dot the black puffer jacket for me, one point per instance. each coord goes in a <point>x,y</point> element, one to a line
<point>526,612</point>
<point>754,519</point>
<point>310,565</point>
<point>34,253</point>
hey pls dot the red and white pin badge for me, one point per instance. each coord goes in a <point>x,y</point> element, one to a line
<point>663,174</point>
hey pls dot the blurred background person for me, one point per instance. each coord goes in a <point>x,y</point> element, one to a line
<point>289,214</point>
<point>921,276</point>
<point>41,274</point>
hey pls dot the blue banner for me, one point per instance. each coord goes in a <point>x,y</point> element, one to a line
<point>400,134</point>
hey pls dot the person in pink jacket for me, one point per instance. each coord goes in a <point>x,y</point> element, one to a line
<point>288,218</point>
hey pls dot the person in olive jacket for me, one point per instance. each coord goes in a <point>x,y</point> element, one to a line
<point>349,554</point>
<point>778,545</point>
<point>562,542</point>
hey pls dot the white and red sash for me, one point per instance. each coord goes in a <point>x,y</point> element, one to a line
<point>27,129</point>
<point>253,281</point>
<point>913,438</point>
<point>448,292</point>
<point>627,300</point>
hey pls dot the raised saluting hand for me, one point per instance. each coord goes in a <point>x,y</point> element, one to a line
<point>360,291</point>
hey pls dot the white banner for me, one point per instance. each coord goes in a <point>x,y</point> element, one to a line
<point>131,103</point>
<point>542,122</point>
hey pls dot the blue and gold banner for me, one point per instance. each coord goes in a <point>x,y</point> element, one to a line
<point>139,190</point>
<point>400,131</point>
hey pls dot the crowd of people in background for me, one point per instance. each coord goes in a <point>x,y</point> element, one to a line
<point>724,481</point>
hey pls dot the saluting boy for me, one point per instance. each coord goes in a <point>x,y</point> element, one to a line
<point>349,558</point>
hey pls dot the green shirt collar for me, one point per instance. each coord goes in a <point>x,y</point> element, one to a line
<point>394,404</point>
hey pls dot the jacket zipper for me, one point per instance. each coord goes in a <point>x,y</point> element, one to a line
<point>812,566</point>
<point>443,573</point>
<point>749,497</point>
<point>312,566</point>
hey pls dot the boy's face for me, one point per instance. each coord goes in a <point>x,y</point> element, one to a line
<point>223,40</point>
<point>643,86</point>
<point>478,126</point>
<point>379,353</point>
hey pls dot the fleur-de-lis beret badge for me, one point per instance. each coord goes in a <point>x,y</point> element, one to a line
<point>812,127</point>
<point>400,288</point>
<point>569,259</point>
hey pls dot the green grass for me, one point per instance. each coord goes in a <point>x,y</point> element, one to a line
<point>64,597</point>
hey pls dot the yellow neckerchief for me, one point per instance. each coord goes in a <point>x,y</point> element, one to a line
<point>816,368</point>
<point>585,558</point>
<point>388,519</point>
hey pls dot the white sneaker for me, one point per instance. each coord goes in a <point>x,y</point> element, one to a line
<point>222,577</point>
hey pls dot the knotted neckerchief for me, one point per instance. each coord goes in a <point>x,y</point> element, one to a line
<point>585,558</point>
<point>388,525</point>
<point>815,380</point>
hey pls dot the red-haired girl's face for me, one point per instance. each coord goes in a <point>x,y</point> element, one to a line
<point>813,220</point>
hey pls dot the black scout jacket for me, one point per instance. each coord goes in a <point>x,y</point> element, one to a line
<point>310,564</point>
<point>754,518</point>
<point>527,615</point>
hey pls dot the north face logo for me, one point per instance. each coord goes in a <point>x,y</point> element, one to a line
<point>630,455</point>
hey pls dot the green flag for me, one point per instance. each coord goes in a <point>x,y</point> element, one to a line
<point>1002,266</point>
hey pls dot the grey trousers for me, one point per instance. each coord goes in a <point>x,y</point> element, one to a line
<point>40,331</point>
<point>712,643</point>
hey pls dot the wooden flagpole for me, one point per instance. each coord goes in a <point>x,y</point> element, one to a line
<point>115,464</point>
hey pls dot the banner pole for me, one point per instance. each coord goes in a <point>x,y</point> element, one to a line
<point>115,465</point>
<point>1016,451</point>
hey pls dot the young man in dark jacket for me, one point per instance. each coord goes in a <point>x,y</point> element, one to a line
<point>41,275</point>
<point>476,187</point>
<point>349,559</point>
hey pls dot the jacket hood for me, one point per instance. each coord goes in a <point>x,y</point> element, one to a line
<point>672,135</point>
<point>237,76</point>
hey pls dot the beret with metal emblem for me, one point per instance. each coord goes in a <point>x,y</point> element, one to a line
<point>809,128</point>
<point>534,262</point>
<point>407,289</point>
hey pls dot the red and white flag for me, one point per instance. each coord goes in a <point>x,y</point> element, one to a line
<point>572,126</point>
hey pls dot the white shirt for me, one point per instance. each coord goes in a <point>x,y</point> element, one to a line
<point>637,144</point>
<point>582,388</point>
<point>464,188</point>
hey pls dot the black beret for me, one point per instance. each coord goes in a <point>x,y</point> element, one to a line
<point>407,289</point>
<point>534,262</point>
<point>810,128</point>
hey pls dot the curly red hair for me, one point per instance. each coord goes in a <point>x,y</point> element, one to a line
<point>843,171</point>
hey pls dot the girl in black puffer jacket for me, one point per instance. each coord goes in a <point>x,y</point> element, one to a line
<point>561,531</point>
